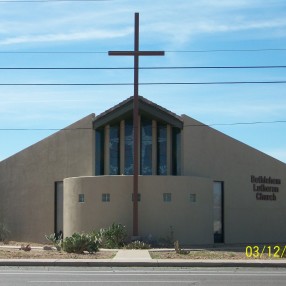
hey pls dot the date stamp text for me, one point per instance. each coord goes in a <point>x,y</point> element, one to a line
<point>265,251</point>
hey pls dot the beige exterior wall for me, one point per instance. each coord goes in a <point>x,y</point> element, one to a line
<point>207,152</point>
<point>191,222</point>
<point>94,214</point>
<point>27,179</point>
<point>27,189</point>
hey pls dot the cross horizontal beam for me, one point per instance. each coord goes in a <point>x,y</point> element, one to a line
<point>136,53</point>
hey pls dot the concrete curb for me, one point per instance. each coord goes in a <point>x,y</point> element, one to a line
<point>142,263</point>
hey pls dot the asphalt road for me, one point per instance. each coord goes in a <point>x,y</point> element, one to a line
<point>141,276</point>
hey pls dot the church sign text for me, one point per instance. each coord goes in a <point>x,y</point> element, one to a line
<point>266,188</point>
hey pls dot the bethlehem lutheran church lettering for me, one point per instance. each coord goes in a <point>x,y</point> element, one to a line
<point>265,188</point>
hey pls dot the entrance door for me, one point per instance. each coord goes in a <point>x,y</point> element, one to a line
<point>218,212</point>
<point>59,196</point>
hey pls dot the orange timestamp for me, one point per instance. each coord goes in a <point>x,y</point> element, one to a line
<point>269,251</point>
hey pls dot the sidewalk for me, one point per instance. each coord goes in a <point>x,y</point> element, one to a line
<point>124,255</point>
<point>142,258</point>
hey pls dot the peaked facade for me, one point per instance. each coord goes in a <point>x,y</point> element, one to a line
<point>196,184</point>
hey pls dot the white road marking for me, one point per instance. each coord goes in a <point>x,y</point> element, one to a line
<point>150,274</point>
<point>165,282</point>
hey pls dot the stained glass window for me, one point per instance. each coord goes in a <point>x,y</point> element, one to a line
<point>176,151</point>
<point>146,147</point>
<point>114,150</point>
<point>128,147</point>
<point>99,153</point>
<point>162,149</point>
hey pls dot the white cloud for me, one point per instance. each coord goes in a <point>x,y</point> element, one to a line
<point>70,36</point>
<point>180,22</point>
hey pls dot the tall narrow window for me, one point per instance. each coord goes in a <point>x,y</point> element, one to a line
<point>218,212</point>
<point>146,147</point>
<point>59,196</point>
<point>176,151</point>
<point>162,149</point>
<point>114,152</point>
<point>99,152</point>
<point>128,146</point>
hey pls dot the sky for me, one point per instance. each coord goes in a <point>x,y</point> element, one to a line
<point>199,33</point>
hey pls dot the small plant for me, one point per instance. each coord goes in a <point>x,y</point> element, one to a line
<point>80,242</point>
<point>113,236</point>
<point>4,232</point>
<point>178,249</point>
<point>55,240</point>
<point>167,241</point>
<point>25,247</point>
<point>137,245</point>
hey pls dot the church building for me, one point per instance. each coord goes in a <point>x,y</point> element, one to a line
<point>195,183</point>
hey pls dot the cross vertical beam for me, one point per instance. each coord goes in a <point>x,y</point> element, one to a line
<point>135,126</point>
<point>136,53</point>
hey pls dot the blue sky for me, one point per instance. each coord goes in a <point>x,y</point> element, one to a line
<point>208,26</point>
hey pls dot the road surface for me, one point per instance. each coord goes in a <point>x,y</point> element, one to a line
<point>42,276</point>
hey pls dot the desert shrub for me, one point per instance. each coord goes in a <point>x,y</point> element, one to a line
<point>55,240</point>
<point>113,236</point>
<point>178,248</point>
<point>4,232</point>
<point>80,242</point>
<point>137,245</point>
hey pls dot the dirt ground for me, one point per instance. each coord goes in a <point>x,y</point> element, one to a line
<point>208,254</point>
<point>198,255</point>
<point>13,251</point>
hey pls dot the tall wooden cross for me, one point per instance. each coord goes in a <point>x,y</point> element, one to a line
<point>136,53</point>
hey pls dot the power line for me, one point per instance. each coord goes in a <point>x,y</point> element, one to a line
<point>46,52</point>
<point>230,50</point>
<point>143,68</point>
<point>31,1</point>
<point>188,125</point>
<point>105,52</point>
<point>236,123</point>
<point>145,83</point>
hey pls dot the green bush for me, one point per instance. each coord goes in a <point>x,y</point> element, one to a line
<point>55,240</point>
<point>4,232</point>
<point>137,245</point>
<point>113,236</point>
<point>80,242</point>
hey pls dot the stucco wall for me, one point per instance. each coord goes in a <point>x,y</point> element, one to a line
<point>190,222</point>
<point>211,153</point>
<point>27,178</point>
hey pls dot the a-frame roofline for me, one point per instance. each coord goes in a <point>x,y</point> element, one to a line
<point>146,107</point>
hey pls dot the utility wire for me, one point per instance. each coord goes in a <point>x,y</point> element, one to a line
<point>145,83</point>
<point>174,51</point>
<point>46,52</point>
<point>31,1</point>
<point>188,125</point>
<point>230,50</point>
<point>143,68</point>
